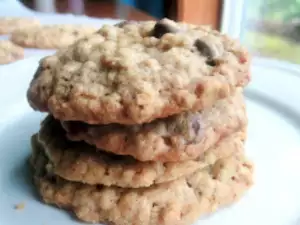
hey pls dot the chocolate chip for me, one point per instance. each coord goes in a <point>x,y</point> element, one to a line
<point>204,49</point>
<point>154,205</point>
<point>208,51</point>
<point>162,27</point>
<point>211,62</point>
<point>196,125</point>
<point>167,141</point>
<point>189,184</point>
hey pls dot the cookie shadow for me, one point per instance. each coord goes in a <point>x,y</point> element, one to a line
<point>15,172</point>
<point>23,174</point>
<point>23,178</point>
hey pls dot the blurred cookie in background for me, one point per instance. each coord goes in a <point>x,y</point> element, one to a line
<point>50,36</point>
<point>9,52</point>
<point>10,24</point>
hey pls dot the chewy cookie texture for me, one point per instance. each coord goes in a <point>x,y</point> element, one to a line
<point>180,137</point>
<point>178,202</point>
<point>138,72</point>
<point>146,125</point>
<point>82,162</point>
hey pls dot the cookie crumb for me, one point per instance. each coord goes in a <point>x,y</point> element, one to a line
<point>20,206</point>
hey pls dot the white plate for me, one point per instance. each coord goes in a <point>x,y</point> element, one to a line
<point>273,144</point>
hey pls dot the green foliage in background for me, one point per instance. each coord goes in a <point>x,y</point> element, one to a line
<point>279,10</point>
<point>273,46</point>
<point>269,45</point>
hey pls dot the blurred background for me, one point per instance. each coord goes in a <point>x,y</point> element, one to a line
<point>272,28</point>
<point>269,28</point>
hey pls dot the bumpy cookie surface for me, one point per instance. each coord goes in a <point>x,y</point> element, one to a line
<point>9,52</point>
<point>178,202</point>
<point>9,24</point>
<point>176,138</point>
<point>136,72</point>
<point>78,161</point>
<point>50,36</point>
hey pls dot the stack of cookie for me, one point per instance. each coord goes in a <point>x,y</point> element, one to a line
<point>147,124</point>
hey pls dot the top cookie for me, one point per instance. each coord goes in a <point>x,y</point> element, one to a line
<point>50,36</point>
<point>9,24</point>
<point>133,73</point>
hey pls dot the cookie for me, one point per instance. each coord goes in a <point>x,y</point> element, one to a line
<point>138,72</point>
<point>180,137</point>
<point>9,52</point>
<point>50,36</point>
<point>78,161</point>
<point>179,202</point>
<point>10,24</point>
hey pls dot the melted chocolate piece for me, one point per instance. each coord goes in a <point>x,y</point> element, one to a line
<point>194,129</point>
<point>162,27</point>
<point>211,62</point>
<point>207,51</point>
<point>204,49</point>
<point>196,126</point>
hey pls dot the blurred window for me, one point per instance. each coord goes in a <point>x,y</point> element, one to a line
<point>271,28</point>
